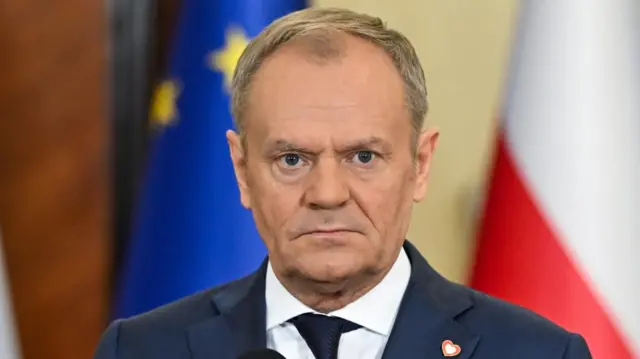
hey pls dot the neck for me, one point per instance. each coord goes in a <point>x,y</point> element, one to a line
<point>326,297</point>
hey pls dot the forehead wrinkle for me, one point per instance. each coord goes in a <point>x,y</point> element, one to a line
<point>338,106</point>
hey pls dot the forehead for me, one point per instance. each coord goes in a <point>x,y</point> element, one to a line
<point>353,87</point>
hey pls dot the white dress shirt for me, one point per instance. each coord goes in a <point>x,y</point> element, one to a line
<point>375,311</point>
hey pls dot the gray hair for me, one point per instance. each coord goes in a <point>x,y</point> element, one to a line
<point>317,23</point>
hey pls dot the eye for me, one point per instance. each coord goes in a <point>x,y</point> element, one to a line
<point>364,157</point>
<point>290,160</point>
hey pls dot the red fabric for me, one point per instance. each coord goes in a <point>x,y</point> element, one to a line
<point>520,259</point>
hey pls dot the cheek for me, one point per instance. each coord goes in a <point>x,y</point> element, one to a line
<point>274,202</point>
<point>385,202</point>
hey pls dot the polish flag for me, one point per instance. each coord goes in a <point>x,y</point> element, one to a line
<point>560,232</point>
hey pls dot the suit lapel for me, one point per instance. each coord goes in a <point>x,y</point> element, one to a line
<point>240,324</point>
<point>426,318</point>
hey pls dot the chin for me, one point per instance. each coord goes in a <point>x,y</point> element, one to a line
<point>338,241</point>
<point>331,267</point>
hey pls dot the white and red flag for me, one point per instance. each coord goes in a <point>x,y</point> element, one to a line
<point>560,231</point>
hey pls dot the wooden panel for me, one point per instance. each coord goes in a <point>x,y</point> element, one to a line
<point>54,172</point>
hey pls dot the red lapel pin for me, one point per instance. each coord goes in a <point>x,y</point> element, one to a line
<point>449,349</point>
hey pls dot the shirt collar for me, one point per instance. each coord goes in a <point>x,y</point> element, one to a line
<point>383,300</point>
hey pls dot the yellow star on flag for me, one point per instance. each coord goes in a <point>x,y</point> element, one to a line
<point>163,108</point>
<point>226,59</point>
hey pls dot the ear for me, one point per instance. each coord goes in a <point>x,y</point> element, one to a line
<point>424,153</point>
<point>238,158</point>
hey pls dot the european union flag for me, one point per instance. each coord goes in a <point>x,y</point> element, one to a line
<point>190,230</point>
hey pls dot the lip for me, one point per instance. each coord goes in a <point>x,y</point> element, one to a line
<point>329,233</point>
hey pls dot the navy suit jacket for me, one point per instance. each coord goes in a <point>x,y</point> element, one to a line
<point>229,320</point>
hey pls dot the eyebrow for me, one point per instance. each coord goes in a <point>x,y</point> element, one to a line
<point>282,145</point>
<point>369,142</point>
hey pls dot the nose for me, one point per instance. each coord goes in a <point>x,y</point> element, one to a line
<point>327,187</point>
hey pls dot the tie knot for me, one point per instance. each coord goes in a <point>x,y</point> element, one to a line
<point>322,333</point>
<point>324,323</point>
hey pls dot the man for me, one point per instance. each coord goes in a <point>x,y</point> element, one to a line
<point>330,156</point>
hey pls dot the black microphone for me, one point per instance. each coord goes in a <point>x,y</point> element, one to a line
<point>262,354</point>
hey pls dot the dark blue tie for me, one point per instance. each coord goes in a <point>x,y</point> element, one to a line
<point>322,333</point>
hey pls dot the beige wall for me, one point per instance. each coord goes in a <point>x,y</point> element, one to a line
<point>463,45</point>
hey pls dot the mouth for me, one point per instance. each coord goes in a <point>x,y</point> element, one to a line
<point>330,233</point>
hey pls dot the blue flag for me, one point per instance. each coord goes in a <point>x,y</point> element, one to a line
<point>190,231</point>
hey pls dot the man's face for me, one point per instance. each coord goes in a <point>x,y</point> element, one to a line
<point>328,171</point>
